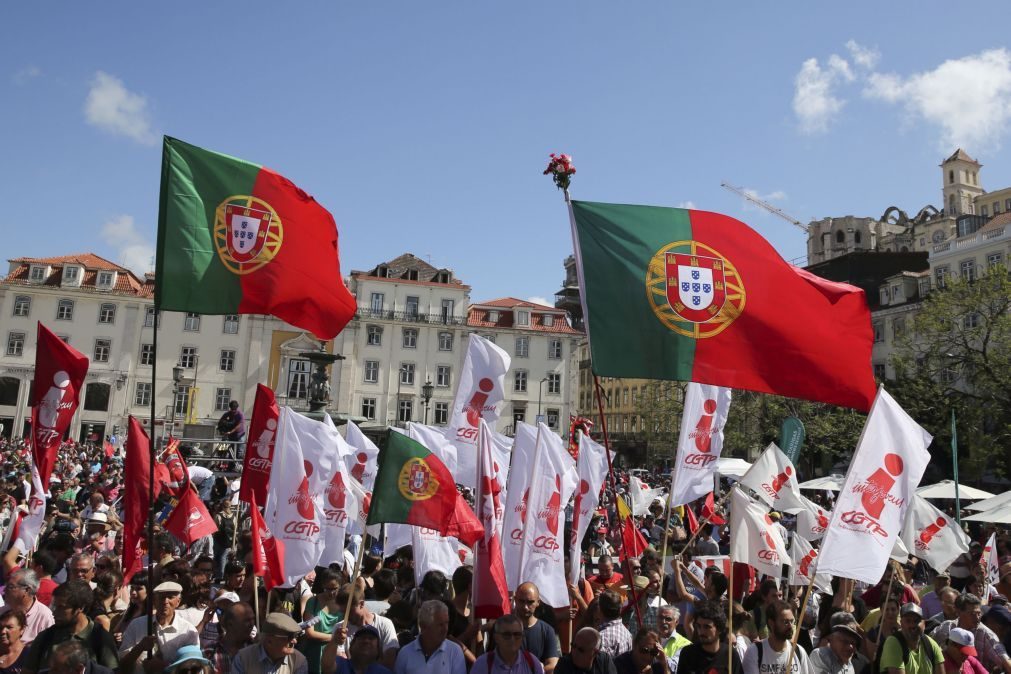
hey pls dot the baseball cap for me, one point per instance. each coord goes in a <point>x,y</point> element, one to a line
<point>911,609</point>
<point>366,630</point>
<point>966,642</point>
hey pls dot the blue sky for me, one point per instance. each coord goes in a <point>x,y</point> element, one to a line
<point>424,126</point>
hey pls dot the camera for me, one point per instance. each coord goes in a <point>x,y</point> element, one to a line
<point>63,526</point>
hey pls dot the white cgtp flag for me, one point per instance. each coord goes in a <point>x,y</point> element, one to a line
<point>774,479</point>
<point>434,439</point>
<point>591,469</point>
<point>700,442</point>
<point>805,563</point>
<point>931,535</point>
<point>442,442</point>
<point>31,523</point>
<point>886,467</point>
<point>433,552</point>
<point>990,560</point>
<point>642,496</point>
<point>397,536</point>
<point>812,521</point>
<point>364,457</point>
<point>514,517</point>
<point>553,479</point>
<point>481,388</point>
<point>294,508</point>
<point>325,450</point>
<point>754,539</point>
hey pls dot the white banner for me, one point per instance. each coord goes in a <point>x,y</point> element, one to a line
<point>812,521</point>
<point>363,460</point>
<point>700,442</point>
<point>552,481</point>
<point>773,478</point>
<point>592,471</point>
<point>754,538</point>
<point>642,496</point>
<point>294,515</point>
<point>804,560</point>
<point>433,552</point>
<point>443,445</point>
<point>514,517</point>
<point>886,467</point>
<point>931,535</point>
<point>340,507</point>
<point>31,523</point>
<point>991,561</point>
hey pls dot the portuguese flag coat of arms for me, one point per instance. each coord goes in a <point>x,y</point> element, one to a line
<point>413,486</point>
<point>237,238</point>
<point>670,293</point>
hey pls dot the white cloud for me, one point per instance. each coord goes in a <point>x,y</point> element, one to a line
<point>777,195</point>
<point>814,100</point>
<point>865,57</point>
<point>114,108</point>
<point>537,299</point>
<point>133,248</point>
<point>968,98</point>
<point>687,204</point>
<point>27,74</point>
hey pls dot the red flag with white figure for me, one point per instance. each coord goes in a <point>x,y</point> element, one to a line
<point>754,539</point>
<point>931,535</point>
<point>552,481</point>
<point>137,495</point>
<point>259,446</point>
<point>268,551</point>
<point>879,487</point>
<point>700,442</point>
<point>490,593</point>
<point>591,468</point>
<point>773,478</point>
<point>189,521</point>
<point>805,565</point>
<point>59,377</point>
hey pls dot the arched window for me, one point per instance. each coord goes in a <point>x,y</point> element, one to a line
<point>840,237</point>
<point>951,204</point>
<point>856,237</point>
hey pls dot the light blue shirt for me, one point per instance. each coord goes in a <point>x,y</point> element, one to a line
<point>447,659</point>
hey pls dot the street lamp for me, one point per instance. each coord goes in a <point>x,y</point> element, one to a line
<point>426,395</point>
<point>540,398</point>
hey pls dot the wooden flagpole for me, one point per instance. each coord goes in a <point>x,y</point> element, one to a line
<point>800,621</point>
<point>152,447</point>
<point>730,616</point>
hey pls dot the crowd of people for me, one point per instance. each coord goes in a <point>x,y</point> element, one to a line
<point>67,609</point>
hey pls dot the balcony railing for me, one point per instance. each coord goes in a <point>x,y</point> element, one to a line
<point>971,240</point>
<point>409,316</point>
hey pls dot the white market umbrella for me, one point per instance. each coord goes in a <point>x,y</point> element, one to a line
<point>827,483</point>
<point>992,502</point>
<point>732,467</point>
<point>946,489</point>
<point>996,516</point>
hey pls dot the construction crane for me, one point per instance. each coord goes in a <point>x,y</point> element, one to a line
<point>767,206</point>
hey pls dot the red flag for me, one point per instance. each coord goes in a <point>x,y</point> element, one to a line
<point>692,522</point>
<point>59,375</point>
<point>259,447</point>
<point>709,510</point>
<point>110,449</point>
<point>170,473</point>
<point>137,495</point>
<point>491,592</point>
<point>633,543</point>
<point>268,557</point>
<point>189,520</point>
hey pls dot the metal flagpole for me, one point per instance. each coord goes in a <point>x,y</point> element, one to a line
<point>151,461</point>
<point>954,468</point>
<point>666,534</point>
<point>730,617</point>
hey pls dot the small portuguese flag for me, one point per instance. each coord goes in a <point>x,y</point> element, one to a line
<point>413,486</point>
<point>237,238</point>
<point>688,295</point>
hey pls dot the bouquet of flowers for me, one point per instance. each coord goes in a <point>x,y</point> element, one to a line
<point>561,170</point>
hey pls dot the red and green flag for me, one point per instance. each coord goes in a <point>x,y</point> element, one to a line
<point>413,486</point>
<point>670,293</point>
<point>237,238</point>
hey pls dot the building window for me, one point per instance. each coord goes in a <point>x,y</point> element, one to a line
<point>879,333</point>
<point>188,356</point>
<point>22,305</point>
<point>445,341</point>
<point>105,279</point>
<point>102,349</point>
<point>38,274</point>
<point>441,414</point>
<point>71,274</point>
<point>898,327</point>
<point>65,310</point>
<point>941,276</point>
<point>191,323</point>
<point>996,207</point>
<point>412,274</point>
<point>182,400</point>
<point>971,320</point>
<point>624,397</point>
<point>523,318</point>
<point>371,371</point>
<point>924,286</point>
<point>519,416</point>
<point>984,211</point>
<point>15,343</point>
<point>884,295</point>
<point>222,396</point>
<point>231,324</point>
<point>407,373</point>
<point>369,408</point>
<point>493,316</point>
<point>442,377</point>
<point>107,313</point>
<point>968,270</point>
<point>555,349</point>
<point>552,415</point>
<point>856,237</point>
<point>226,361</point>
<point>404,410</point>
<point>490,338</point>
<point>147,354</point>
<point>412,307</point>
<point>522,347</point>
<point>1007,204</point>
<point>142,394</point>
<point>555,384</point>
<point>374,335</point>
<point>298,378</point>
<point>149,317</point>
<point>895,292</point>
<point>840,237</point>
<point>410,340</point>
<point>994,259</point>
<point>447,308</point>
<point>549,320</point>
<point>376,303</point>
<point>520,381</point>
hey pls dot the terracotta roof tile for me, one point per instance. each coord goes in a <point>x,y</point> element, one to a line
<point>126,281</point>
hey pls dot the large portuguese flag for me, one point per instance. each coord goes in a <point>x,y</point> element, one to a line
<point>237,238</point>
<point>688,295</point>
<point>413,486</point>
